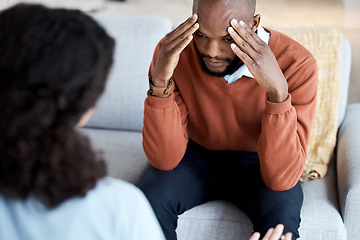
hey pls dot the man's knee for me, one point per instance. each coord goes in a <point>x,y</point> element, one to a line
<point>159,189</point>
<point>157,194</point>
<point>281,207</point>
<point>290,219</point>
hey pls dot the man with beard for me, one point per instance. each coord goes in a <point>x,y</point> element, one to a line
<point>237,124</point>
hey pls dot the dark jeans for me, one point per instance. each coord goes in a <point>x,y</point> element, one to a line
<point>205,175</point>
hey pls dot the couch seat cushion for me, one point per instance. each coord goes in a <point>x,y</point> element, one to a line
<point>219,219</point>
<point>122,151</point>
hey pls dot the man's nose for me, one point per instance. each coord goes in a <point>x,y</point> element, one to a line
<point>213,49</point>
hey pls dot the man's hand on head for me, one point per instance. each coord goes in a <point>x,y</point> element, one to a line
<point>173,44</point>
<point>260,60</point>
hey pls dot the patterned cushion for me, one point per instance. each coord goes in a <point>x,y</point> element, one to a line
<point>325,44</point>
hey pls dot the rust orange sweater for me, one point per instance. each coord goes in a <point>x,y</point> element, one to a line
<point>237,116</point>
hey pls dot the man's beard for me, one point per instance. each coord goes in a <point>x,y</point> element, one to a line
<point>234,64</point>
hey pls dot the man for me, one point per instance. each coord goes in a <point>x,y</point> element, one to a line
<point>237,125</point>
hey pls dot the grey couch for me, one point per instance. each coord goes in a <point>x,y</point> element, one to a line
<point>331,209</point>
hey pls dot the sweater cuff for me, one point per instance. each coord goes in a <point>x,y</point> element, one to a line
<point>157,102</point>
<point>278,108</point>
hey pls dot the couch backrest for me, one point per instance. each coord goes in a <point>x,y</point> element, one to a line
<point>345,77</point>
<point>122,104</point>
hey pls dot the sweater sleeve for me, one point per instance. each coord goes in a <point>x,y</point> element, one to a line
<point>164,133</point>
<point>285,130</point>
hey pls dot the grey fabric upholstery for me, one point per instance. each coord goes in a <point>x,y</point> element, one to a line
<point>121,106</point>
<point>122,151</point>
<point>115,129</point>
<point>320,212</point>
<point>345,78</point>
<point>348,167</point>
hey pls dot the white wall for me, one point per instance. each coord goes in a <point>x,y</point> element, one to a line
<point>85,5</point>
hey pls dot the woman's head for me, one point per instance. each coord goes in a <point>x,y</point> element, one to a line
<point>53,68</point>
<point>59,55</point>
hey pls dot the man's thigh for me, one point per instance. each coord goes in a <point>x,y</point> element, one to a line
<point>268,208</point>
<point>194,181</point>
<point>265,208</point>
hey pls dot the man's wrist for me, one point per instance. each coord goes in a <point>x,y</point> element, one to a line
<point>161,91</point>
<point>278,97</point>
<point>279,94</point>
<point>158,82</point>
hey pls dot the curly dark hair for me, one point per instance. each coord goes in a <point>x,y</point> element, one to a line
<point>53,68</point>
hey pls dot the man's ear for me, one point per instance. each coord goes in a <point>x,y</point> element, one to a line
<point>255,22</point>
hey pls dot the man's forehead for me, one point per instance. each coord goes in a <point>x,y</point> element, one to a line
<point>225,4</point>
<point>219,11</point>
<point>217,21</point>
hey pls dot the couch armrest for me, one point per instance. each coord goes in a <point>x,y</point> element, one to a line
<point>348,170</point>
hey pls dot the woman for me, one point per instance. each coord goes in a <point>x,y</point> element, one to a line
<point>53,68</point>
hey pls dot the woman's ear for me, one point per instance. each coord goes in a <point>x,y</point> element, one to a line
<point>255,22</point>
<point>84,118</point>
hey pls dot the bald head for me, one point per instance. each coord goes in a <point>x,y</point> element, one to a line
<point>249,5</point>
<point>212,38</point>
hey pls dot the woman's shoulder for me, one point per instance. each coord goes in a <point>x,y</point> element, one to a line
<point>110,183</point>
<point>113,208</point>
<point>115,190</point>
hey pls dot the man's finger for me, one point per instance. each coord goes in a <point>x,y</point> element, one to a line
<point>182,27</point>
<point>242,43</point>
<point>188,34</point>
<point>243,25</point>
<point>249,62</point>
<point>247,34</point>
<point>182,45</point>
